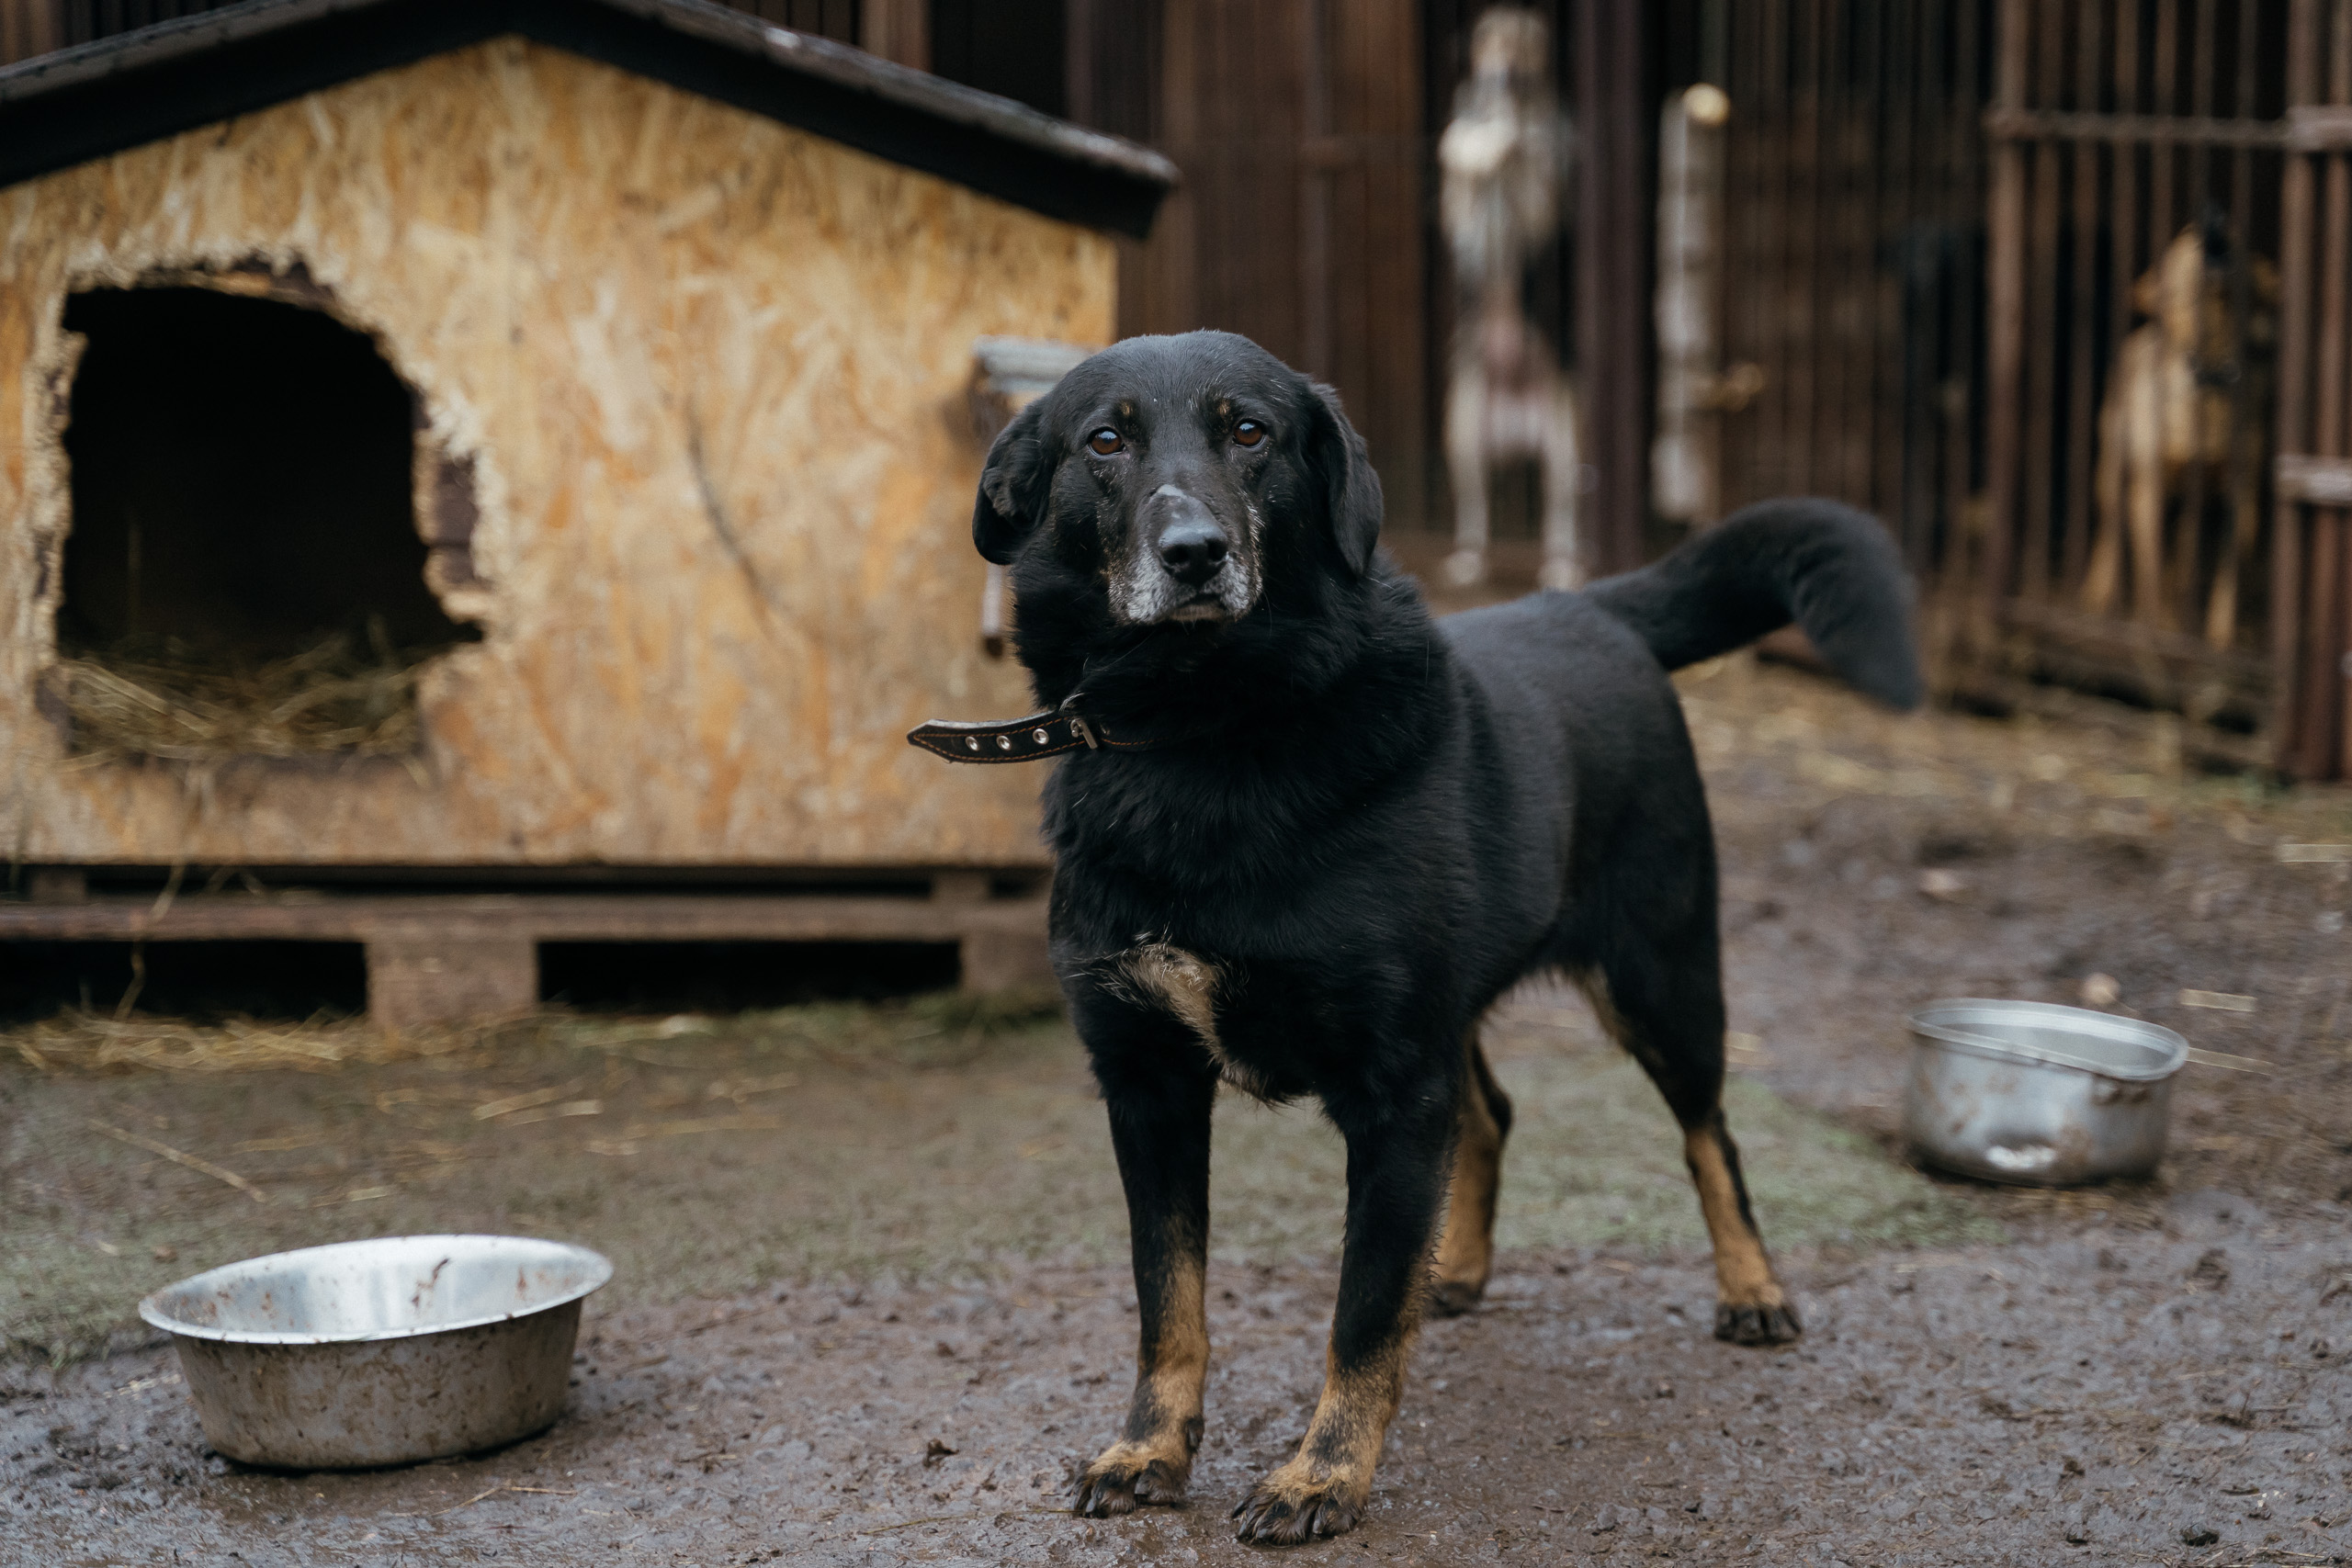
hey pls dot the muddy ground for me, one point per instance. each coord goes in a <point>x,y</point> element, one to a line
<point>853,1240</point>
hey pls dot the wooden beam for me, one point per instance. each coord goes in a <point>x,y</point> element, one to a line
<point>1616,233</point>
<point>2007,353</point>
<point>421,984</point>
<point>536,916</point>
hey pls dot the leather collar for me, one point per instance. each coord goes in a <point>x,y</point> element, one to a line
<point>1041,735</point>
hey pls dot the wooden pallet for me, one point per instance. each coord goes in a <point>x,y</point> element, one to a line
<point>453,958</point>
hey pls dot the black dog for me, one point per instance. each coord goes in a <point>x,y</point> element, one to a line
<point>1304,836</point>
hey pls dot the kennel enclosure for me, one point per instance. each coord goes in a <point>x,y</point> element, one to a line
<point>589,378</point>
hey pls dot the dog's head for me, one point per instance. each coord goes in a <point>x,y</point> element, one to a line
<point>1178,484</point>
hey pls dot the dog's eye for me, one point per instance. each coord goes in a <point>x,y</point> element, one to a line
<point>1106,441</point>
<point>1248,432</point>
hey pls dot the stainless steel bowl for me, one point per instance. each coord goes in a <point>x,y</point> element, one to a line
<point>379,1352</point>
<point>2039,1094</point>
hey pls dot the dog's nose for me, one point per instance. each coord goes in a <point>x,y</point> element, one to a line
<point>1192,550</point>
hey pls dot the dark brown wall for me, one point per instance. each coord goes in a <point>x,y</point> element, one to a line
<point>27,27</point>
<point>1011,47</point>
<point>35,26</point>
<point>1303,219</point>
<point>829,18</point>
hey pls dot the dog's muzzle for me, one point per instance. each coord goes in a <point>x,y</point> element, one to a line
<point>1188,570</point>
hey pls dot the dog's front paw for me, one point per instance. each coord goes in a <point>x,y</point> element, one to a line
<point>1294,1503</point>
<point>1757,1322</point>
<point>1128,1475</point>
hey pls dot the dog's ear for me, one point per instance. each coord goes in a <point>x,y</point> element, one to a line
<point>1012,487</point>
<point>1350,490</point>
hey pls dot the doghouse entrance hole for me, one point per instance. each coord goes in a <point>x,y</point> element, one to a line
<point>728,977</point>
<point>244,573</point>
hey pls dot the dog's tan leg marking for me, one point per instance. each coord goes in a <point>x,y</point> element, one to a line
<point>1323,1489</point>
<point>1187,986</point>
<point>1750,1307</point>
<point>1178,981</point>
<point>2144,465</point>
<point>1465,1257</point>
<point>1153,1459</point>
<point>2104,577</point>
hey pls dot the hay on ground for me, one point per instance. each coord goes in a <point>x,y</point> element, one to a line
<point>74,1041</point>
<point>348,696</point>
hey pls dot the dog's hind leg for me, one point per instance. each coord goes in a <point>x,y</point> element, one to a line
<point>1562,480</point>
<point>1160,1130</point>
<point>1465,463</point>
<point>1667,1011</point>
<point>1466,1255</point>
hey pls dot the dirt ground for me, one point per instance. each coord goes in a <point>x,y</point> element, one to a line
<point>871,1307</point>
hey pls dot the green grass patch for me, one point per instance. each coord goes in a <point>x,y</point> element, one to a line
<point>926,1141</point>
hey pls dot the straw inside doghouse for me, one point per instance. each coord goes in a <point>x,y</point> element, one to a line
<point>349,694</point>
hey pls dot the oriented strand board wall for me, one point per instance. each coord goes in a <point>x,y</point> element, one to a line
<point>709,371</point>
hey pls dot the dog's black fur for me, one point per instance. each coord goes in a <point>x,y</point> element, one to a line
<point>1363,828</point>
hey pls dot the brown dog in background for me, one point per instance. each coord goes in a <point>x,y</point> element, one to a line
<point>2172,415</point>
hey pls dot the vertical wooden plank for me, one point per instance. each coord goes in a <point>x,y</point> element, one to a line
<point>1761,139</point>
<point>1897,102</point>
<point>29,27</point>
<point>1963,135</point>
<point>1806,282</point>
<point>2124,229</point>
<point>2090,56</point>
<point>899,31</point>
<point>1874,148</point>
<point>1319,167</point>
<point>1616,229</point>
<point>2289,586</point>
<point>1836,283</point>
<point>1393,327</point>
<point>2043,283</point>
<point>2323,675</point>
<point>2224,623</point>
<point>1116,65</point>
<point>1921,198</point>
<point>2006,337</point>
<point>2188,534</point>
<point>2334,411</point>
<point>1174,284</point>
<point>1743,168</point>
<point>1234,128</point>
<point>1855,84</point>
<point>2164,98</point>
<point>1899,477</point>
<point>1787,300</point>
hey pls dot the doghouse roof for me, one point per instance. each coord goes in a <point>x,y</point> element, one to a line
<point>85,102</point>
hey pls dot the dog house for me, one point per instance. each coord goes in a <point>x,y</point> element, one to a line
<point>506,469</point>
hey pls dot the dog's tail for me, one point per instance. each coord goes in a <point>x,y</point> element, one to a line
<point>1821,564</point>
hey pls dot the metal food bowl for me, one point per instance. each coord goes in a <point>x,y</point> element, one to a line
<point>379,1352</point>
<point>2039,1094</point>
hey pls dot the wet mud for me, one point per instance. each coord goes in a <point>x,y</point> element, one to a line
<point>2176,1395</point>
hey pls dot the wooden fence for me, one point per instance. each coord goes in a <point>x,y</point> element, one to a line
<point>2310,627</point>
